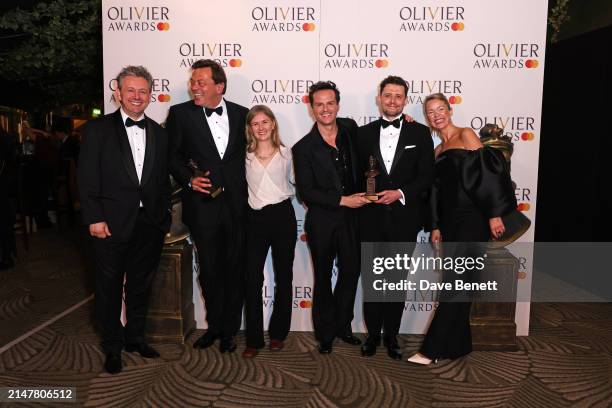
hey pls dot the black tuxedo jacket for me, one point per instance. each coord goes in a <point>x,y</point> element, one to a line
<point>412,171</point>
<point>191,138</point>
<point>317,181</point>
<point>107,179</point>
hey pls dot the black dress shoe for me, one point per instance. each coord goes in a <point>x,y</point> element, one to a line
<point>350,339</point>
<point>227,344</point>
<point>113,365</point>
<point>393,349</point>
<point>207,340</point>
<point>143,349</point>
<point>369,347</point>
<point>325,347</point>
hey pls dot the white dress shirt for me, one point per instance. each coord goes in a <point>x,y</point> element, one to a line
<point>219,127</point>
<point>273,183</point>
<point>389,137</point>
<point>138,142</point>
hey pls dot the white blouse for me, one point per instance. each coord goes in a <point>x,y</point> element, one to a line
<point>273,183</point>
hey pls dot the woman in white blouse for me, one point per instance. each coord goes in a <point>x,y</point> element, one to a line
<point>271,224</point>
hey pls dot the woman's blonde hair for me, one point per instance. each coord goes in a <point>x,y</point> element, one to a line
<point>251,140</point>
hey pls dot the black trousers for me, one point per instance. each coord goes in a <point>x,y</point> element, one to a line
<point>332,310</point>
<point>221,261</point>
<point>274,226</point>
<point>386,316</point>
<point>136,260</point>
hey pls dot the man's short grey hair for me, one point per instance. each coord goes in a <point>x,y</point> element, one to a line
<point>136,71</point>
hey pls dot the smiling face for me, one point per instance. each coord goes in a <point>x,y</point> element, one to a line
<point>261,127</point>
<point>203,88</point>
<point>325,107</point>
<point>438,114</point>
<point>134,96</point>
<point>392,100</point>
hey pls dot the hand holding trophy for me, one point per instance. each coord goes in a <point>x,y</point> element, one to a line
<point>202,180</point>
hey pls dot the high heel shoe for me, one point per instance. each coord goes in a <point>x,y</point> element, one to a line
<point>420,359</point>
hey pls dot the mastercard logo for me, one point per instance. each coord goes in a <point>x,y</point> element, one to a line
<point>163,98</point>
<point>454,100</point>
<point>457,26</point>
<point>308,26</point>
<point>306,304</point>
<point>163,26</point>
<point>305,99</point>
<point>304,237</point>
<point>527,136</point>
<point>531,63</point>
<point>523,207</point>
<point>381,63</point>
<point>522,275</point>
<point>235,62</point>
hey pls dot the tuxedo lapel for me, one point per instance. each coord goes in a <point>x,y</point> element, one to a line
<point>198,117</point>
<point>376,148</point>
<point>124,147</point>
<point>401,144</point>
<point>233,131</point>
<point>149,159</point>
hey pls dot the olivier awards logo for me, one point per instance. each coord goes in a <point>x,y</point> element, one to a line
<point>356,55</point>
<point>159,93</point>
<point>138,18</point>
<point>283,19</point>
<point>228,55</point>
<point>523,198</point>
<point>506,55</point>
<point>418,89</point>
<point>280,91</point>
<point>432,18</point>
<point>302,297</point>
<point>518,128</point>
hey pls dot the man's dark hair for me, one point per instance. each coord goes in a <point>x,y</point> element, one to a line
<point>321,86</point>
<point>393,80</point>
<point>218,74</point>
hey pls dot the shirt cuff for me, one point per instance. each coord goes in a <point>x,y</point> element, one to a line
<point>402,198</point>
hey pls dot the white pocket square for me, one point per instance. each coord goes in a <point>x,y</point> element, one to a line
<point>410,147</point>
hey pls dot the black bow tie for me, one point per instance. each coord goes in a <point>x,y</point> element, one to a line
<point>129,122</point>
<point>395,123</point>
<point>218,110</point>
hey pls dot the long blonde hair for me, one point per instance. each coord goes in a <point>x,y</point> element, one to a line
<point>251,140</point>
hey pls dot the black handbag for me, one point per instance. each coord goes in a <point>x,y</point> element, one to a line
<point>516,224</point>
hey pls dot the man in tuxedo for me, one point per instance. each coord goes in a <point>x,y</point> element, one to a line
<point>125,200</point>
<point>325,175</point>
<point>404,154</point>
<point>207,133</point>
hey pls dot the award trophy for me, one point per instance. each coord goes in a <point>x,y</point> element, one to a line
<point>197,172</point>
<point>371,174</point>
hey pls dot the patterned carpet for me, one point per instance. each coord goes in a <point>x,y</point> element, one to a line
<point>47,279</point>
<point>565,362</point>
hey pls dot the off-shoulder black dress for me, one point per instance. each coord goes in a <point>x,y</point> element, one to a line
<point>470,187</point>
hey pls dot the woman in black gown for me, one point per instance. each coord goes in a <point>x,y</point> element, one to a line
<point>472,190</point>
